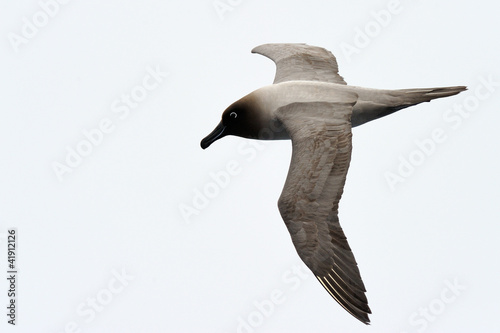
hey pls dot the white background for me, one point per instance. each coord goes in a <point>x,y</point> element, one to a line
<point>119,210</point>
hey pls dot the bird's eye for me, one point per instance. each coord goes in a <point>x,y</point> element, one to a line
<point>233,114</point>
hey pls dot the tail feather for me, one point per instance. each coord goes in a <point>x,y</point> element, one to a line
<point>377,104</point>
<point>415,96</point>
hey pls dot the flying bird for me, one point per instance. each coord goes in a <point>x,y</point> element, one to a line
<point>311,104</point>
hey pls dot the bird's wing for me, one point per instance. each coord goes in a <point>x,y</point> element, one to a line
<point>321,140</point>
<point>301,62</point>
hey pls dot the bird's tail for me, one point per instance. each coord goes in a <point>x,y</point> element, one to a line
<point>372,106</point>
<point>414,96</point>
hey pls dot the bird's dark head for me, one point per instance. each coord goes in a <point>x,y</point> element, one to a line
<point>242,118</point>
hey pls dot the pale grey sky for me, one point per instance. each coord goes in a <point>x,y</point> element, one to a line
<point>126,225</point>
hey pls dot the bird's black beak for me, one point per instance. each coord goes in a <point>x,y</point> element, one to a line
<point>216,134</point>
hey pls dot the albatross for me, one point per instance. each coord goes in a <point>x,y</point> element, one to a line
<point>310,104</point>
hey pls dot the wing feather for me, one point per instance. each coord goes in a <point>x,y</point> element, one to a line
<point>301,62</point>
<point>321,139</point>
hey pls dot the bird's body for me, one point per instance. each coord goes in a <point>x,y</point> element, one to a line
<point>311,104</point>
<point>370,103</point>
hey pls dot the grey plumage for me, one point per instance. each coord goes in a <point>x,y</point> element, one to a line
<point>309,201</point>
<point>311,104</point>
<point>301,62</point>
<point>377,103</point>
